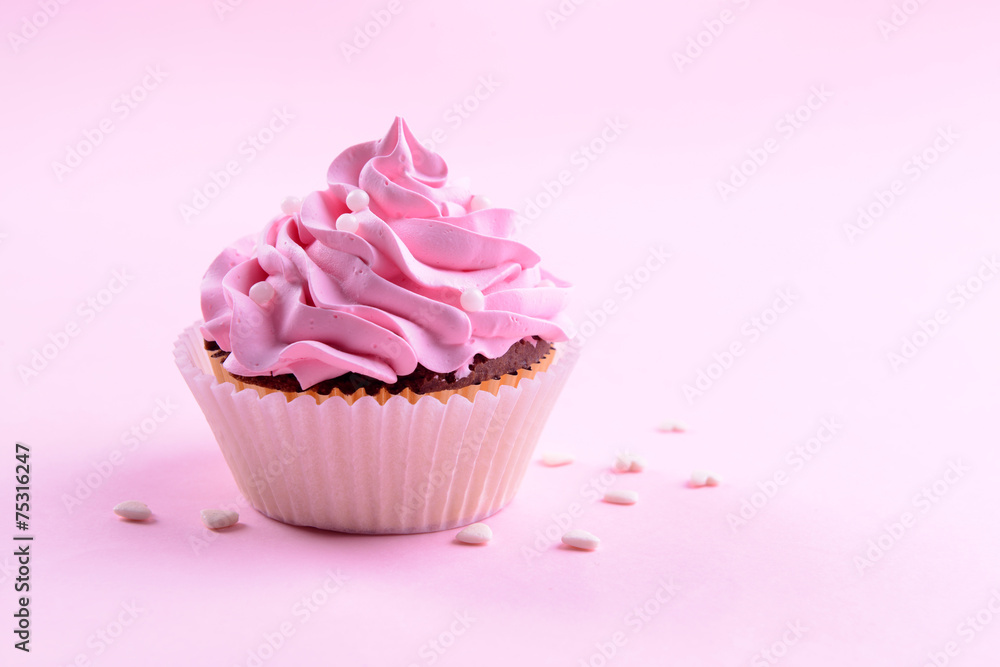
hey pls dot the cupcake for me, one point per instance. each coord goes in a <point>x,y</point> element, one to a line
<point>382,356</point>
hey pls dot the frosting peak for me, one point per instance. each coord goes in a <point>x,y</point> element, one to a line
<point>380,287</point>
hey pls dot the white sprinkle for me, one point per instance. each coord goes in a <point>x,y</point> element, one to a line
<point>670,426</point>
<point>477,533</point>
<point>556,459</point>
<point>479,202</point>
<point>622,497</point>
<point>581,539</point>
<point>133,510</point>
<point>472,300</point>
<point>291,205</point>
<point>626,462</point>
<point>357,200</point>
<point>216,519</point>
<point>347,223</point>
<point>262,293</point>
<point>703,478</point>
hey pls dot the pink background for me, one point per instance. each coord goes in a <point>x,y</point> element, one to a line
<point>738,589</point>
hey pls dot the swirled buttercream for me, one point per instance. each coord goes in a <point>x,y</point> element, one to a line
<point>382,291</point>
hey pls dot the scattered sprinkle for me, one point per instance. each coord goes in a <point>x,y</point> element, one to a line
<point>625,462</point>
<point>554,459</point>
<point>477,533</point>
<point>670,426</point>
<point>216,519</point>
<point>133,510</point>
<point>622,497</point>
<point>291,205</point>
<point>581,539</point>
<point>702,478</point>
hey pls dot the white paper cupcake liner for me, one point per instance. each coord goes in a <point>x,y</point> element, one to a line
<point>400,467</point>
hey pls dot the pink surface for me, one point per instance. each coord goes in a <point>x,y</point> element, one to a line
<point>785,314</point>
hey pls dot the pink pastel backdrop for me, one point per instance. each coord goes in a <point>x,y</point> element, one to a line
<point>544,91</point>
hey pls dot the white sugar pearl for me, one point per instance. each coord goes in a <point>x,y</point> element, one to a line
<point>357,200</point>
<point>556,458</point>
<point>133,510</point>
<point>479,202</point>
<point>637,464</point>
<point>291,205</point>
<point>477,533</point>
<point>622,497</point>
<point>472,300</point>
<point>347,223</point>
<point>581,539</point>
<point>216,519</point>
<point>699,478</point>
<point>262,293</point>
<point>671,426</point>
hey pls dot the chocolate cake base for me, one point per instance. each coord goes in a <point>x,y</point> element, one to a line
<point>521,355</point>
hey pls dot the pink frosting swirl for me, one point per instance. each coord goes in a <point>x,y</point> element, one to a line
<point>387,297</point>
